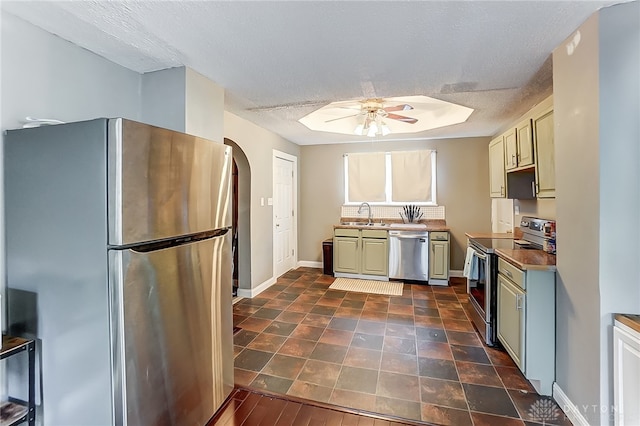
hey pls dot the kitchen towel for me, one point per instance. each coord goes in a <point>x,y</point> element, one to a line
<point>471,264</point>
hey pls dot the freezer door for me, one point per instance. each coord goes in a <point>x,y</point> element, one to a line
<point>172,333</point>
<point>162,184</point>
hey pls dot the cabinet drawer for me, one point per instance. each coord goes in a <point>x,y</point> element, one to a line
<point>374,233</point>
<point>511,272</point>
<point>344,232</point>
<point>439,236</point>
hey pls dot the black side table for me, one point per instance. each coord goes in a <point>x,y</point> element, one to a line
<point>15,411</point>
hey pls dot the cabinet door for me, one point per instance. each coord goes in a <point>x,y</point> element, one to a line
<point>524,144</point>
<point>545,157</point>
<point>496,168</point>
<point>439,260</point>
<point>375,256</point>
<point>626,380</point>
<point>345,255</point>
<point>511,314</point>
<point>510,150</point>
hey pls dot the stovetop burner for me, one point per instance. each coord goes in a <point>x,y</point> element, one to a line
<point>489,245</point>
<point>534,236</point>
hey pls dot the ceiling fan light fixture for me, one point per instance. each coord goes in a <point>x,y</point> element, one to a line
<point>373,129</point>
<point>381,117</point>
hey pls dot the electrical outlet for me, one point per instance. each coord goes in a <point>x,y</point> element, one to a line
<point>516,209</point>
<point>270,201</point>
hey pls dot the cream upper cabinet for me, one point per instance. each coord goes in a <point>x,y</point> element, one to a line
<point>524,142</point>
<point>518,146</point>
<point>545,157</point>
<point>510,149</point>
<point>528,159</point>
<point>496,168</point>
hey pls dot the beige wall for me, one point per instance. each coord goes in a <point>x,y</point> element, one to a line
<point>542,208</point>
<point>258,145</point>
<point>597,176</point>
<point>204,107</point>
<point>462,187</point>
<point>577,194</point>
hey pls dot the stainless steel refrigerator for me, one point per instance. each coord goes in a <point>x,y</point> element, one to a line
<point>118,262</point>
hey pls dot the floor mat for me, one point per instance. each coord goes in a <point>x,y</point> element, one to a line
<point>368,286</point>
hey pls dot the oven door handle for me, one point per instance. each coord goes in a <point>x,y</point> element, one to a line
<point>479,255</point>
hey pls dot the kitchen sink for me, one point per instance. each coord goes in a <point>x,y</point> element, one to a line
<point>362,224</point>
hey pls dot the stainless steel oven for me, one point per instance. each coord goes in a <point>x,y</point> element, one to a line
<point>482,291</point>
<point>483,275</point>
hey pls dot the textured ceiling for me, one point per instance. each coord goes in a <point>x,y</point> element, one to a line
<point>278,60</point>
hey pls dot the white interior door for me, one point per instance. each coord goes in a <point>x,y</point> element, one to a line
<point>283,214</point>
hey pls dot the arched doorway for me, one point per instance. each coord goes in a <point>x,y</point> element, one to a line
<point>241,218</point>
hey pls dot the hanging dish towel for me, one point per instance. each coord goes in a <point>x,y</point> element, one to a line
<point>471,265</point>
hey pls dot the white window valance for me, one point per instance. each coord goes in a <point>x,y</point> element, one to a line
<point>393,178</point>
<point>411,176</point>
<point>367,177</point>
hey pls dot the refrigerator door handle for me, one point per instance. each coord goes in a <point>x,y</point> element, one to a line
<point>172,242</point>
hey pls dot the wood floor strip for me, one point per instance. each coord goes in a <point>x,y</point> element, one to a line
<point>253,407</point>
<point>289,413</point>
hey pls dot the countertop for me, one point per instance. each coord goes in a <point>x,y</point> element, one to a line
<point>433,225</point>
<point>630,320</point>
<point>490,235</point>
<point>528,260</point>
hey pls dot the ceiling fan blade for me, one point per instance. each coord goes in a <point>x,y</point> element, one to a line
<point>402,118</point>
<point>401,107</point>
<point>293,105</point>
<point>340,118</point>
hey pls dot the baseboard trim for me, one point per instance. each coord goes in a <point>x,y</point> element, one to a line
<point>455,273</point>
<point>309,264</point>
<point>251,293</point>
<point>569,408</point>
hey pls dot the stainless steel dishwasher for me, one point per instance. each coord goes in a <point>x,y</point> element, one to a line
<point>409,255</point>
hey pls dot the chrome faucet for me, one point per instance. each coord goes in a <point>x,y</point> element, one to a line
<point>369,208</point>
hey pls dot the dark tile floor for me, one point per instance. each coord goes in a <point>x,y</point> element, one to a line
<point>415,356</point>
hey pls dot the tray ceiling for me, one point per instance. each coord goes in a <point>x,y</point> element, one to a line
<point>278,61</point>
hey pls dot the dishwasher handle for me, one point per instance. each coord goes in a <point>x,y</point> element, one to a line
<point>407,235</point>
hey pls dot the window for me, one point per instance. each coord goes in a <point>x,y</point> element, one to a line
<point>391,178</point>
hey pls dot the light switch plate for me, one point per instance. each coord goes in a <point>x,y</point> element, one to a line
<point>270,201</point>
<point>262,201</point>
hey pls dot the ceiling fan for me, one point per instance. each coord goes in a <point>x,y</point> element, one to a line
<point>372,116</point>
<point>382,116</point>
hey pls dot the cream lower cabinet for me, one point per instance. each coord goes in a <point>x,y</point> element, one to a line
<point>511,313</point>
<point>346,250</point>
<point>361,253</point>
<point>626,379</point>
<point>439,258</point>
<point>526,322</point>
<point>375,256</point>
